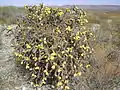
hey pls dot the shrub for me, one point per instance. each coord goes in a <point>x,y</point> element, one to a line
<point>8,14</point>
<point>53,44</point>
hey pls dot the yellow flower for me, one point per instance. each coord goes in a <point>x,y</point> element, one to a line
<point>37,68</point>
<point>60,13</point>
<point>40,47</point>
<point>36,85</point>
<point>71,56</point>
<point>59,78</point>
<point>59,70</point>
<point>66,81</point>
<point>53,67</point>
<point>35,58</point>
<point>57,30</point>
<point>9,28</point>
<point>66,55</point>
<point>63,64</point>
<point>52,57</point>
<point>87,47</point>
<point>68,10</point>
<point>87,66</point>
<point>27,67</point>
<point>84,32</point>
<point>79,73</point>
<point>91,34</point>
<point>40,40</point>
<point>53,54</point>
<point>55,63</point>
<point>85,39</point>
<point>63,52</point>
<point>81,65</point>
<point>44,79</point>
<point>19,55</point>
<point>69,28</point>
<point>66,77</point>
<point>47,10</point>
<point>74,66</point>
<point>82,46</point>
<point>82,54</point>
<point>75,75</point>
<point>77,37</point>
<point>45,71</point>
<point>16,54</point>
<point>59,84</point>
<point>21,62</point>
<point>33,75</point>
<point>86,20</point>
<point>27,58</point>
<point>66,87</point>
<point>43,82</point>
<point>28,46</point>
<point>70,49</point>
<point>32,83</point>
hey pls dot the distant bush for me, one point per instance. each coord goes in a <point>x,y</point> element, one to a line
<point>8,14</point>
<point>53,44</point>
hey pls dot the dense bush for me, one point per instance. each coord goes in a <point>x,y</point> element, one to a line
<point>53,44</point>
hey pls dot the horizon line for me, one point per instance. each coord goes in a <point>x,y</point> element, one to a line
<point>66,5</point>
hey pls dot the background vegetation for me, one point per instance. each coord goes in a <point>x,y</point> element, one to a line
<point>9,14</point>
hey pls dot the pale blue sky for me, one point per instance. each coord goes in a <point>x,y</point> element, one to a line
<point>59,2</point>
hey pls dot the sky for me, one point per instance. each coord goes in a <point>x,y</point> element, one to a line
<point>58,2</point>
